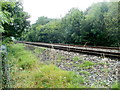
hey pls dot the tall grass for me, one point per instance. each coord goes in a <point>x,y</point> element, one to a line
<point>28,72</point>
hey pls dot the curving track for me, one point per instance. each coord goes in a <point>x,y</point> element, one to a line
<point>100,51</point>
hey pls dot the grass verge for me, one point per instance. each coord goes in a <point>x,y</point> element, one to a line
<point>28,72</point>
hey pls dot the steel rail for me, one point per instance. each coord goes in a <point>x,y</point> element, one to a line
<point>75,48</point>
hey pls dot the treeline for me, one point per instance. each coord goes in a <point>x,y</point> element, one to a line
<point>98,26</point>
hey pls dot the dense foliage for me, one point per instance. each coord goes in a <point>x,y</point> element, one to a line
<point>98,25</point>
<point>13,20</point>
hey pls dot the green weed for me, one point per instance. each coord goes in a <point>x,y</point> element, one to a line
<point>60,57</point>
<point>86,64</point>
<point>28,72</point>
<point>76,58</point>
<point>22,58</point>
<point>106,70</point>
<point>85,72</point>
<point>116,85</point>
<point>39,50</point>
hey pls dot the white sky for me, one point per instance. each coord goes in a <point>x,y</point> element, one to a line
<point>54,8</point>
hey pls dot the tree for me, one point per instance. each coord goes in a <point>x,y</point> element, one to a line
<point>43,20</point>
<point>112,24</point>
<point>72,25</point>
<point>20,22</point>
<point>95,30</point>
<point>4,17</point>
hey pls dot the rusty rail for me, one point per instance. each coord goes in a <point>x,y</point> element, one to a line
<point>79,49</point>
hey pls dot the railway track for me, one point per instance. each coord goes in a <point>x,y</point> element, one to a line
<point>100,51</point>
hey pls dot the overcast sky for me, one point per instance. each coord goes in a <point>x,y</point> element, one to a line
<point>54,8</point>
